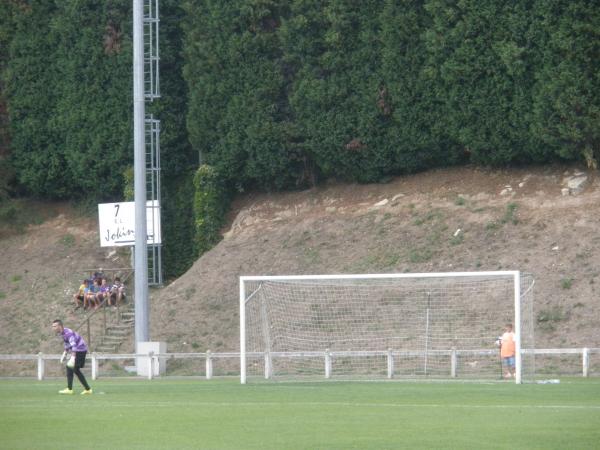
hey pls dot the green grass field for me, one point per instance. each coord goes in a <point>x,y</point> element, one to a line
<point>195,414</point>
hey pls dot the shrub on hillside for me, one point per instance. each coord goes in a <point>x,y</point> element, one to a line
<point>210,204</point>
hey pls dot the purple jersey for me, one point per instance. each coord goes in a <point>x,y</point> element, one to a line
<point>73,341</point>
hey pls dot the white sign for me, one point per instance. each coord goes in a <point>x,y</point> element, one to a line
<point>117,223</point>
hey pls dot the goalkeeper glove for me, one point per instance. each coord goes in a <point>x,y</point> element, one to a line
<point>62,358</point>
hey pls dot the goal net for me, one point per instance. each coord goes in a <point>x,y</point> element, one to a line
<point>429,325</point>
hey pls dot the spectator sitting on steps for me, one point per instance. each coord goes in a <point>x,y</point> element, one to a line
<point>79,296</point>
<point>103,292</point>
<point>117,292</point>
<point>90,296</point>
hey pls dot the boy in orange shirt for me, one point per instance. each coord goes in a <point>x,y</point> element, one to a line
<point>507,350</point>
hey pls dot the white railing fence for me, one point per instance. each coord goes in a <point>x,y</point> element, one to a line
<point>583,362</point>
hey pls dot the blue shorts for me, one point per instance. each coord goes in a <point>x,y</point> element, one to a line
<point>509,361</point>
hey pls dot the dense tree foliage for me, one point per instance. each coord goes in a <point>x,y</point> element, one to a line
<point>412,92</point>
<point>67,74</point>
<point>566,96</point>
<point>282,92</point>
<point>29,77</point>
<point>178,160</point>
<point>337,88</point>
<point>8,12</point>
<point>209,207</point>
<point>274,94</point>
<point>238,117</point>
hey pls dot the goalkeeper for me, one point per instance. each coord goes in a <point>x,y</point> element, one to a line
<point>77,348</point>
<point>507,350</point>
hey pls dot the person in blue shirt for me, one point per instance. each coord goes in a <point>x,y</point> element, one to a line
<point>91,293</point>
<point>76,347</point>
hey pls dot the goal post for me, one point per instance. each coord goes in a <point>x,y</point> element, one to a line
<point>381,326</point>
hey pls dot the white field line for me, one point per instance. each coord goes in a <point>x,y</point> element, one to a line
<point>178,404</point>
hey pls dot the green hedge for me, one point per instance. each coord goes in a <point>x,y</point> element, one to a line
<point>238,118</point>
<point>178,227</point>
<point>67,72</point>
<point>210,205</point>
<point>68,83</point>
<point>566,98</point>
<point>275,94</point>
<point>179,249</point>
<point>178,159</point>
<point>281,93</point>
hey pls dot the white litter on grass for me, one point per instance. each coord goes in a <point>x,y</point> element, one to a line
<point>382,202</point>
<point>553,381</point>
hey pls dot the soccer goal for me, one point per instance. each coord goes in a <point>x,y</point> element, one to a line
<point>378,326</point>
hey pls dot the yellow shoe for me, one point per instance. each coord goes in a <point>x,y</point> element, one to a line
<point>66,391</point>
<point>86,392</point>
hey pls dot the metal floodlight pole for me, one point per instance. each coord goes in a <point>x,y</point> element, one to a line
<point>139,171</point>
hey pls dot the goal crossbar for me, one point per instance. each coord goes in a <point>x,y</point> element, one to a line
<point>380,276</point>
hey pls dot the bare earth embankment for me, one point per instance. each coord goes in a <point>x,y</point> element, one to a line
<point>460,219</point>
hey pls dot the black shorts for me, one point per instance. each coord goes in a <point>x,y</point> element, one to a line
<point>80,359</point>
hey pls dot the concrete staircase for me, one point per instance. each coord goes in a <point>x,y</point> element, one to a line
<point>116,333</point>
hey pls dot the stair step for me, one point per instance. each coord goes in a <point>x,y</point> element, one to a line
<point>115,333</point>
<point>120,333</point>
<point>125,328</point>
<point>112,339</point>
<point>119,327</point>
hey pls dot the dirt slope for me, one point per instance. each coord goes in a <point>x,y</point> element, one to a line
<point>40,269</point>
<point>513,219</point>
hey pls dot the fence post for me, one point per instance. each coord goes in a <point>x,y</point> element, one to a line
<point>390,364</point>
<point>453,363</point>
<point>94,366</point>
<point>150,365</point>
<point>209,365</point>
<point>327,364</point>
<point>40,366</point>
<point>268,366</point>
<point>585,357</point>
